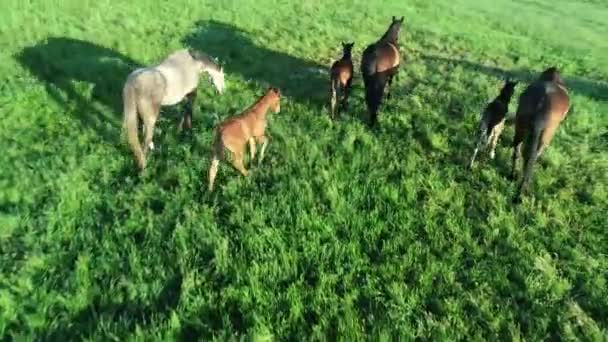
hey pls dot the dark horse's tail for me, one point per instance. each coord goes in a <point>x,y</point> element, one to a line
<point>374,83</point>
<point>532,144</point>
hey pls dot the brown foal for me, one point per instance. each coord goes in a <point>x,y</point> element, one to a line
<point>341,77</point>
<point>236,132</point>
<point>543,105</point>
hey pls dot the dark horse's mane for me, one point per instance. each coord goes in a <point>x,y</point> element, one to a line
<point>203,57</point>
<point>391,34</point>
<point>551,74</point>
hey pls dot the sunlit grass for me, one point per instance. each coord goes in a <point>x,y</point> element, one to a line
<point>341,232</point>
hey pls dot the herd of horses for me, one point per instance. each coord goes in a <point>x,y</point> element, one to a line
<point>542,106</point>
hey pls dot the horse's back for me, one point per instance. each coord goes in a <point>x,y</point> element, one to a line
<point>147,82</point>
<point>494,113</point>
<point>181,74</point>
<point>388,57</point>
<point>342,70</point>
<point>382,57</point>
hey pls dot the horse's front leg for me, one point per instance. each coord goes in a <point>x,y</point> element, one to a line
<point>186,122</point>
<point>252,148</point>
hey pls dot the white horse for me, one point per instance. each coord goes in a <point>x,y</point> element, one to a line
<point>165,84</point>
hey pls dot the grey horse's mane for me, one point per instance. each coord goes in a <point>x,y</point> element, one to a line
<point>205,59</point>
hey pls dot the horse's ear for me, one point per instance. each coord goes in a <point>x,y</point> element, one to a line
<point>394,18</point>
<point>402,18</point>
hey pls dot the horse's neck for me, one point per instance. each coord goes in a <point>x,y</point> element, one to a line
<point>504,97</point>
<point>209,70</point>
<point>389,37</point>
<point>259,109</point>
<point>562,87</point>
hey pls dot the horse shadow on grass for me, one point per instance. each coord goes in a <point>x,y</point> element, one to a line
<point>304,81</point>
<point>81,72</point>
<point>594,89</point>
<point>131,314</point>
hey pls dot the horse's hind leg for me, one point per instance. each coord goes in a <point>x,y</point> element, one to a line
<point>186,122</point>
<point>332,98</point>
<point>496,132</point>
<point>515,156</point>
<point>389,86</point>
<point>347,88</point>
<point>149,112</point>
<point>215,163</point>
<point>218,151</point>
<point>481,142</point>
<point>237,161</point>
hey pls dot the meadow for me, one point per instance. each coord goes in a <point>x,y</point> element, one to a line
<point>341,233</point>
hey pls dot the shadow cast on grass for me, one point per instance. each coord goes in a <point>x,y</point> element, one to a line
<point>595,89</point>
<point>129,314</point>
<point>304,81</point>
<point>62,64</point>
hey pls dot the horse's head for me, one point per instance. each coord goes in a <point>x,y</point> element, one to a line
<point>217,77</point>
<point>509,87</point>
<point>275,99</point>
<point>347,48</point>
<point>552,74</point>
<point>214,69</point>
<point>392,34</point>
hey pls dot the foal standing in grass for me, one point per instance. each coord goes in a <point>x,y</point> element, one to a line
<point>246,128</point>
<point>341,77</point>
<point>493,120</point>
<point>168,83</point>
<point>543,105</point>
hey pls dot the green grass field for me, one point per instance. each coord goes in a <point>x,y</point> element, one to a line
<point>341,233</point>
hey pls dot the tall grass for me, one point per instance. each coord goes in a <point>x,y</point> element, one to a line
<point>341,232</point>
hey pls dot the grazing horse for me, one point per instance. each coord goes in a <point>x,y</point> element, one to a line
<point>493,120</point>
<point>341,77</point>
<point>165,84</point>
<point>249,127</point>
<point>379,64</point>
<point>543,105</point>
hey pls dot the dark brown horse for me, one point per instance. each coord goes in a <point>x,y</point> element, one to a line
<point>341,77</point>
<point>493,120</point>
<point>543,105</point>
<point>379,64</point>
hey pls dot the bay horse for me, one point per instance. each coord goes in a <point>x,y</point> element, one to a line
<point>249,127</point>
<point>341,77</point>
<point>543,105</point>
<point>379,64</point>
<point>165,84</point>
<point>493,120</point>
